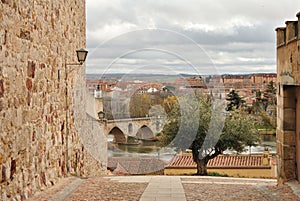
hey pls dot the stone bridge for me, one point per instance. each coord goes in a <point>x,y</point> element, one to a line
<point>140,128</point>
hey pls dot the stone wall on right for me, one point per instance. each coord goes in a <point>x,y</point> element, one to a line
<point>288,114</point>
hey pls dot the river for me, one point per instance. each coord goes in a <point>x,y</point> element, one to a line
<point>151,149</point>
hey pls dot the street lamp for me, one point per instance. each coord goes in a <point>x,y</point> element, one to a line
<point>101,115</point>
<point>81,56</point>
<point>103,120</point>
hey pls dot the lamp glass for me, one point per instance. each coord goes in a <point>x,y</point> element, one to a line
<point>101,115</point>
<point>81,55</point>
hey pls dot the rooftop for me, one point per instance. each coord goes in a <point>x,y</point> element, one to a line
<point>186,160</point>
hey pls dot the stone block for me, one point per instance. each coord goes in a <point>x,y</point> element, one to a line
<point>1,88</point>
<point>280,36</point>
<point>29,84</point>
<point>279,122</point>
<point>289,138</point>
<point>31,69</point>
<point>289,118</point>
<point>279,135</point>
<point>279,102</point>
<point>289,153</point>
<point>289,169</point>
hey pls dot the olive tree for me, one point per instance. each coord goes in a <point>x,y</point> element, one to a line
<point>237,132</point>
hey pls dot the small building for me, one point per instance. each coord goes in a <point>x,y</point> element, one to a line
<point>152,90</point>
<point>252,166</point>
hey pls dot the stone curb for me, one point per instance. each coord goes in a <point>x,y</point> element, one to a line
<point>67,191</point>
<point>295,186</point>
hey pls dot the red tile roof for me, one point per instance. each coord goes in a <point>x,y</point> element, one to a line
<point>186,160</point>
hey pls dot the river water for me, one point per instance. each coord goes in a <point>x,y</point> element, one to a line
<point>151,149</point>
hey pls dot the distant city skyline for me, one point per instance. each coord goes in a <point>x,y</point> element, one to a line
<point>194,37</point>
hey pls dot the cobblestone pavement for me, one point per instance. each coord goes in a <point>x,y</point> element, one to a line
<point>105,189</point>
<point>52,191</point>
<point>195,188</point>
<point>207,188</point>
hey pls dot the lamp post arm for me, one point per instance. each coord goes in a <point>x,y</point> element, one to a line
<point>104,121</point>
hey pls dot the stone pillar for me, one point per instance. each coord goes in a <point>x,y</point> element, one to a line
<point>285,133</point>
<point>291,30</point>
<point>280,36</point>
<point>288,79</point>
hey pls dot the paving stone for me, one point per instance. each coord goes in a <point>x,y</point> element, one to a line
<point>146,188</point>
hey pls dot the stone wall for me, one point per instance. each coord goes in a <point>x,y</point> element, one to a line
<point>288,81</point>
<point>37,38</point>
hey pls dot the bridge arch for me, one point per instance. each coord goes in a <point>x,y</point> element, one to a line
<point>144,132</point>
<point>119,136</point>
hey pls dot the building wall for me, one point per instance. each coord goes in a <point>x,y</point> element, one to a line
<point>36,39</point>
<point>246,172</point>
<point>288,81</point>
<point>263,172</point>
<point>179,171</point>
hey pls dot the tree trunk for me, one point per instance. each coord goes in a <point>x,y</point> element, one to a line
<point>201,167</point>
<point>202,162</point>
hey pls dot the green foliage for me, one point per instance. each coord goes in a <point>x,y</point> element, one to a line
<point>239,129</point>
<point>234,100</point>
<point>270,94</point>
<point>169,133</point>
<point>268,97</point>
<point>180,129</point>
<point>265,106</point>
<point>170,103</point>
<point>140,104</point>
<point>216,174</point>
<point>212,137</point>
<point>266,120</point>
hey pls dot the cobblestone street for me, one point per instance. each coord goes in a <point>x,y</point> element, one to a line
<point>167,188</point>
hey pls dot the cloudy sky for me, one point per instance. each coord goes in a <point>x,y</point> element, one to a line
<point>193,36</point>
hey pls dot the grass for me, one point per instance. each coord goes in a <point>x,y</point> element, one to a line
<point>216,174</point>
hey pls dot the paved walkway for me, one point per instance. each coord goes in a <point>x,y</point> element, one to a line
<point>159,188</point>
<point>165,188</point>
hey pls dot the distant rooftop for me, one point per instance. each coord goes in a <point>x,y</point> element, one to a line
<point>186,161</point>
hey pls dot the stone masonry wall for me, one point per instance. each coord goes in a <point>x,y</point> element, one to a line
<point>288,80</point>
<point>36,39</point>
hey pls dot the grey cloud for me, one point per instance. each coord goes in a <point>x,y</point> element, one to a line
<point>235,34</point>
